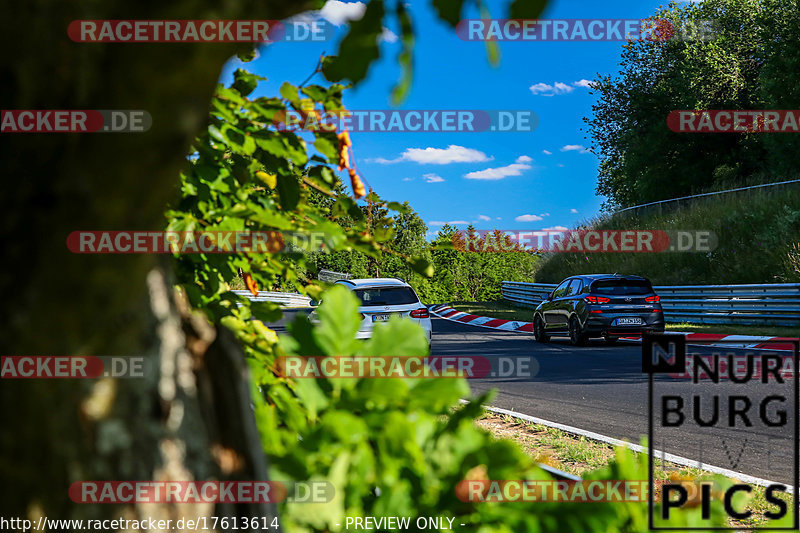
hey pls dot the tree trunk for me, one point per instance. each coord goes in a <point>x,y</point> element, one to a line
<point>189,418</point>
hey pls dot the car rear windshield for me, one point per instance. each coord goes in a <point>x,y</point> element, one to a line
<point>387,296</point>
<point>621,287</point>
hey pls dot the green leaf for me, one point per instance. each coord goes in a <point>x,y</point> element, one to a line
<point>493,53</point>
<point>347,206</point>
<point>422,266</point>
<point>383,234</point>
<point>449,10</point>
<point>339,321</point>
<point>288,192</point>
<point>289,92</point>
<point>406,56</point>
<point>267,107</point>
<point>400,208</point>
<point>492,48</point>
<point>215,134</point>
<point>311,396</point>
<point>231,96</point>
<point>238,140</point>
<point>247,53</point>
<point>315,92</point>
<point>397,337</point>
<point>266,311</point>
<point>322,174</point>
<point>245,82</point>
<point>359,48</point>
<point>328,145</point>
<point>282,144</point>
<point>223,110</point>
<point>437,394</point>
<point>527,9</point>
<point>303,334</point>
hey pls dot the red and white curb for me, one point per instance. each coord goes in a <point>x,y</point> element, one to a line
<point>748,341</point>
<point>444,311</point>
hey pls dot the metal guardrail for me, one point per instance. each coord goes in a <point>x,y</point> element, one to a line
<point>775,304</point>
<point>661,203</point>
<point>286,299</point>
<point>331,276</point>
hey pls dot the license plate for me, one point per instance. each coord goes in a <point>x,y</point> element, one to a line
<point>380,318</point>
<point>628,321</point>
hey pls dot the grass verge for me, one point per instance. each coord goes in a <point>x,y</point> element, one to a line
<point>576,454</point>
<point>757,242</point>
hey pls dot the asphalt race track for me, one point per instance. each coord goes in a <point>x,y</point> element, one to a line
<point>602,389</point>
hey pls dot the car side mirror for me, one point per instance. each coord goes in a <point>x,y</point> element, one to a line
<point>550,296</point>
<point>313,303</point>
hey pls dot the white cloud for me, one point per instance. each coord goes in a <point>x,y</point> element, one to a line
<point>498,218</point>
<point>550,90</point>
<point>498,173</point>
<point>583,83</point>
<point>560,165</point>
<point>388,36</point>
<point>437,156</point>
<point>408,179</point>
<point>556,228</point>
<point>524,159</point>
<point>547,152</point>
<point>451,222</point>
<point>574,148</point>
<point>528,218</point>
<point>432,178</point>
<point>573,210</point>
<point>484,217</point>
<point>544,214</point>
<point>560,87</point>
<point>339,13</point>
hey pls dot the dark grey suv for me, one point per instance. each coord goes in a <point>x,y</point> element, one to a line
<point>599,305</point>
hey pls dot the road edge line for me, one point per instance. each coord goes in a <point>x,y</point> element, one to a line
<point>677,459</point>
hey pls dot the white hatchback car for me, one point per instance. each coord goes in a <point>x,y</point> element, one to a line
<point>382,298</point>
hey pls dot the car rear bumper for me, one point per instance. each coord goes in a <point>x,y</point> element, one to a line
<point>601,326</point>
<point>366,329</point>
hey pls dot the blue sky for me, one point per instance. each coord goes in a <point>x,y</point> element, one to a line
<point>550,180</point>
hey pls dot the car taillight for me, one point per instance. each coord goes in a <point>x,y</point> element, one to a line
<point>652,299</point>
<point>597,311</point>
<point>596,299</point>
<point>420,313</point>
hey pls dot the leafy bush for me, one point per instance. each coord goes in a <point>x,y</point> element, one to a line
<point>756,232</point>
<point>390,447</point>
